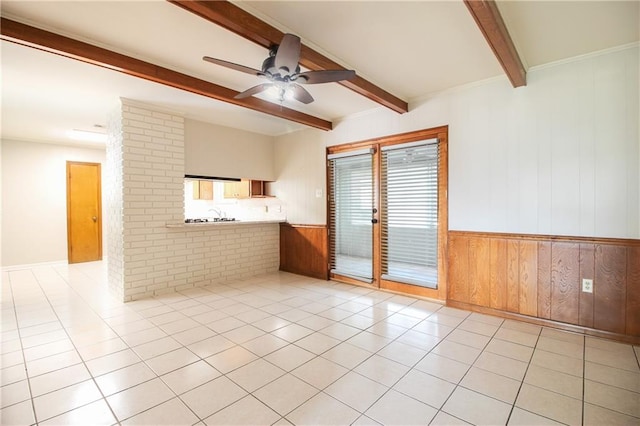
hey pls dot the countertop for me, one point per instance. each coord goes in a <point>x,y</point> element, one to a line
<point>230,223</point>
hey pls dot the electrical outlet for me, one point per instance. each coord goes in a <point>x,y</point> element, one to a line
<point>587,285</point>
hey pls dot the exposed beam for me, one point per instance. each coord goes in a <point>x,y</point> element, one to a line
<point>237,20</point>
<point>26,35</point>
<point>489,20</point>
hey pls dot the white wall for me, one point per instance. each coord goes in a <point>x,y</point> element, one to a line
<point>560,156</point>
<point>212,150</point>
<point>34,200</point>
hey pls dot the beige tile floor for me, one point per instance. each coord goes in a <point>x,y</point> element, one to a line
<point>284,349</point>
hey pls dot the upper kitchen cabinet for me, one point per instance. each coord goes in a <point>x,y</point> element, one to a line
<point>223,152</point>
<point>202,190</point>
<point>244,189</point>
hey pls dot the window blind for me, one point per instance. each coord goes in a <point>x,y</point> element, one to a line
<point>350,213</point>
<point>409,213</point>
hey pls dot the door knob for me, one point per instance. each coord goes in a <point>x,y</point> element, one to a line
<point>94,218</point>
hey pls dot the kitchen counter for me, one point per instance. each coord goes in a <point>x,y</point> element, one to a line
<point>201,225</point>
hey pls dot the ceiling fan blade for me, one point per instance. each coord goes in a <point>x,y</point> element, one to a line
<point>233,66</point>
<point>301,94</point>
<point>288,54</point>
<point>254,90</point>
<point>325,76</point>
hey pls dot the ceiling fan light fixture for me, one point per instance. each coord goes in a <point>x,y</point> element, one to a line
<point>281,92</point>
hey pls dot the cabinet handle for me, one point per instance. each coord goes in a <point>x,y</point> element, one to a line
<point>95,219</point>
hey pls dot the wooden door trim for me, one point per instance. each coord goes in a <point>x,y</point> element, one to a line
<point>99,196</point>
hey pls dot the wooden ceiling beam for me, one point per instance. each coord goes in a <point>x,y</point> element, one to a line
<point>237,20</point>
<point>489,20</point>
<point>27,35</point>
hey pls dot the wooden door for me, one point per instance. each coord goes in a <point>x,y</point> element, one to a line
<point>84,212</point>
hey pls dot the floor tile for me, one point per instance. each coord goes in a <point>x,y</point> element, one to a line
<point>340,331</point>
<point>563,364</point>
<point>247,411</point>
<point>289,357</point>
<point>598,416</point>
<point>13,374</point>
<point>255,375</point>
<point>516,336</point>
<point>402,353</point>
<point>395,408</point>
<point>139,398</point>
<point>193,335</point>
<point>52,363</point>
<point>243,334</point>
<point>292,332</point>
<point>14,393</point>
<point>382,370</point>
<point>172,412</point>
<point>612,376</point>
<point>95,413</point>
<point>520,417</point>
<point>265,344</point>
<point>285,394</point>
<point>620,400</point>
<point>433,328</point>
<point>550,404</point>
<point>419,340</point>
<point>103,348</point>
<point>190,376</point>
<point>625,361</point>
<point>365,421</point>
<point>271,323</point>
<point>58,379</point>
<point>501,365</point>
<point>112,362</point>
<point>48,349</point>
<point>323,410</point>
<point>356,391</point>
<point>562,383</point>
<point>369,341</point>
<point>443,367</point>
<point>510,350</point>
<point>425,387</point>
<point>170,361</point>
<point>490,384</point>
<point>213,396</point>
<point>320,372</point>
<point>156,347</point>
<point>63,400</point>
<point>457,352</point>
<point>478,341</point>
<point>18,414</point>
<point>561,347</point>
<point>231,359</point>
<point>476,408</point>
<point>317,343</point>
<point>444,419</point>
<point>347,355</point>
<point>210,346</point>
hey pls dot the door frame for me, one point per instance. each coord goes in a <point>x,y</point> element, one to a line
<point>99,195</point>
<point>441,133</point>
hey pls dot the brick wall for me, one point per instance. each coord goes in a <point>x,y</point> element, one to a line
<point>153,258</point>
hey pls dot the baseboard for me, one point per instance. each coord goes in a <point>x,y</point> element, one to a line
<point>33,265</point>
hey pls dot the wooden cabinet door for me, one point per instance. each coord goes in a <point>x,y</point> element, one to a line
<point>240,189</point>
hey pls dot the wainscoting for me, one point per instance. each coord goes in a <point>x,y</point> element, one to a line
<point>540,277</point>
<point>304,250</point>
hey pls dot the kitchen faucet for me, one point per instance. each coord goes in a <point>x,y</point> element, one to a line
<point>217,212</point>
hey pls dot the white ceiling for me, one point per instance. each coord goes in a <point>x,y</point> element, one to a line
<point>408,48</point>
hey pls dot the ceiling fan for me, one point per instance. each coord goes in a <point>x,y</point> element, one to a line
<point>282,70</point>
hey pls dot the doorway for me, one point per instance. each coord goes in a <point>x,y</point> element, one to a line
<point>387,211</point>
<point>84,212</point>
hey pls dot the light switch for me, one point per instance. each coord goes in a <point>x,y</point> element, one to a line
<point>318,193</point>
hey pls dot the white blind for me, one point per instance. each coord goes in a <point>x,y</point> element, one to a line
<point>409,213</point>
<point>350,213</point>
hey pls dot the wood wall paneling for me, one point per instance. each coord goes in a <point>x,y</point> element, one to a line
<point>480,271</point>
<point>587,270</point>
<point>565,282</point>
<point>498,277</point>
<point>304,250</point>
<point>609,288</point>
<point>528,278</point>
<point>633,291</point>
<point>544,279</point>
<point>541,277</point>
<point>459,269</point>
<point>513,276</point>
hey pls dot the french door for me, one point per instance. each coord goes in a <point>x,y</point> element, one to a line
<point>387,212</point>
